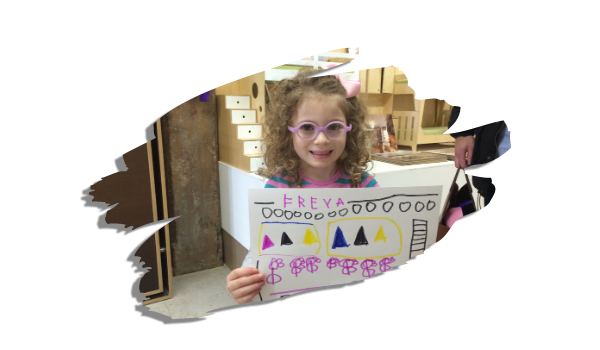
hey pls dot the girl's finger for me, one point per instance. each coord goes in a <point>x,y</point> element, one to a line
<point>238,293</point>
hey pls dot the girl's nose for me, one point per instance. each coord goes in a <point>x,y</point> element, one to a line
<point>321,138</point>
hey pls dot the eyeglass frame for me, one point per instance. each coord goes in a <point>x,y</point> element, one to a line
<point>319,129</point>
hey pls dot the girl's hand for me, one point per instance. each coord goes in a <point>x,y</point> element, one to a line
<point>244,283</point>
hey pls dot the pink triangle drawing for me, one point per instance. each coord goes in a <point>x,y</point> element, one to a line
<point>267,243</point>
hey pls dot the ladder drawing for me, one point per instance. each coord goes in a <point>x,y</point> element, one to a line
<point>419,238</point>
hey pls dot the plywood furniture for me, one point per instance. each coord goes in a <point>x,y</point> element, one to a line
<point>416,122</point>
<point>240,135</point>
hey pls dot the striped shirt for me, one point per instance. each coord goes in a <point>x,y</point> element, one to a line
<point>339,180</point>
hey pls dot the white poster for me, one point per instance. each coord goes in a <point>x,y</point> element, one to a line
<point>303,239</point>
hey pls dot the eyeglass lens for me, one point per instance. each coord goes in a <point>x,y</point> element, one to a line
<point>333,131</point>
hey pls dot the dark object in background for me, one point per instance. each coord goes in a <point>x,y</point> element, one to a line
<point>204,97</point>
<point>457,198</point>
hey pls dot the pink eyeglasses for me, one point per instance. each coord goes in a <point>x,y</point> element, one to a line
<point>309,131</point>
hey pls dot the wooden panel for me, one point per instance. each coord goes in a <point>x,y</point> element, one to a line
<point>374,104</point>
<point>404,103</point>
<point>403,88</point>
<point>388,103</point>
<point>374,80</point>
<point>254,87</point>
<point>429,113</point>
<point>229,89</point>
<point>362,75</point>
<point>191,169</point>
<point>387,85</point>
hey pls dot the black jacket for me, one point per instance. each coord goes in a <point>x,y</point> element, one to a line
<point>485,150</point>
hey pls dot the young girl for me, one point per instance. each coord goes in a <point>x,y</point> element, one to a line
<point>314,138</point>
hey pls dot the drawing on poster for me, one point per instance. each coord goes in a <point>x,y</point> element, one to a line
<point>304,238</point>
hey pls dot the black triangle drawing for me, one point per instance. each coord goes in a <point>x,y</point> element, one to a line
<point>361,239</point>
<point>285,239</point>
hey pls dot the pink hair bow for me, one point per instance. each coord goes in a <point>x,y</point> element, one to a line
<point>352,86</point>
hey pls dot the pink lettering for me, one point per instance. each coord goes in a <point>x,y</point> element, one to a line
<point>300,202</point>
<point>340,201</point>
<point>285,200</point>
<point>326,202</point>
<point>313,200</point>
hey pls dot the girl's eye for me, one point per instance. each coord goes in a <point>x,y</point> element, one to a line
<point>335,126</point>
<point>307,127</point>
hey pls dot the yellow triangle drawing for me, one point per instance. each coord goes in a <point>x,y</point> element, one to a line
<point>380,236</point>
<point>309,237</point>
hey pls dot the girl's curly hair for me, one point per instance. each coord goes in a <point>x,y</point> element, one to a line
<point>279,155</point>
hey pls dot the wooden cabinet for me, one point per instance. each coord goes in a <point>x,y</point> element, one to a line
<point>374,80</point>
<point>387,81</point>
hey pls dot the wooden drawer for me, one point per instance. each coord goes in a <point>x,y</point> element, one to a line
<point>252,147</point>
<point>249,131</point>
<point>243,116</point>
<point>256,163</point>
<point>237,102</point>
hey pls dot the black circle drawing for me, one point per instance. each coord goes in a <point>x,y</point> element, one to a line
<point>332,214</point>
<point>297,214</point>
<point>278,212</point>
<point>404,206</point>
<point>343,212</point>
<point>371,207</point>
<point>354,208</point>
<point>319,216</point>
<point>308,215</point>
<point>430,205</point>
<point>289,215</point>
<point>264,210</point>
<point>387,206</point>
<point>421,207</point>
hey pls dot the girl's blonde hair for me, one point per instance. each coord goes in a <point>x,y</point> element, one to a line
<point>279,154</point>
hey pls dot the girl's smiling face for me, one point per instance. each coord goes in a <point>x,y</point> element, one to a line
<point>318,157</point>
